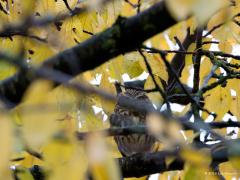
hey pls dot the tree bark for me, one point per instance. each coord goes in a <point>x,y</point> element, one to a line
<point>124,36</point>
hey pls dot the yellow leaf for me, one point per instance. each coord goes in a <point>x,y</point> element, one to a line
<point>157,66</point>
<point>185,74</point>
<point>64,155</point>
<point>107,106</point>
<point>90,121</point>
<point>60,5</point>
<point>218,100</point>
<point>6,70</point>
<point>172,175</point>
<point>45,7</point>
<point>196,157</point>
<point>28,7</point>
<point>228,170</point>
<point>207,46</point>
<point>225,46</point>
<point>190,135</point>
<point>174,132</point>
<point>204,115</point>
<point>159,71</point>
<point>39,114</point>
<point>24,173</point>
<point>13,46</point>
<point>206,67</point>
<point>127,9</point>
<point>203,12</point>
<point>132,64</point>
<point>179,8</point>
<point>188,57</point>
<point>160,42</point>
<point>195,172</point>
<point>235,162</point>
<point>140,178</point>
<point>116,69</point>
<point>6,146</point>
<point>37,51</point>
<point>28,160</point>
<point>224,31</point>
<point>235,106</point>
<point>56,147</point>
<point>155,97</point>
<point>114,9</point>
<point>155,124</point>
<point>71,33</point>
<point>234,84</point>
<point>101,164</point>
<point>180,29</point>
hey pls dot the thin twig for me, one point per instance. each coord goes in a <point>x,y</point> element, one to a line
<point>127,102</point>
<point>197,60</point>
<point>67,6</point>
<point>88,32</point>
<point>142,129</point>
<point>178,70</point>
<point>154,81</point>
<point>220,53</point>
<point>3,10</point>
<point>210,42</point>
<point>151,50</point>
<point>30,22</point>
<point>168,65</point>
<point>213,29</point>
<point>206,80</point>
<point>131,4</point>
<point>139,6</point>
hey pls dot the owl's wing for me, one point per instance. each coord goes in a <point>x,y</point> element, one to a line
<point>115,120</point>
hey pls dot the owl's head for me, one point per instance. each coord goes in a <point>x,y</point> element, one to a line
<point>138,84</point>
<point>135,89</point>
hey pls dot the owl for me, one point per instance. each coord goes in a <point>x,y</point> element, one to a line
<point>124,117</point>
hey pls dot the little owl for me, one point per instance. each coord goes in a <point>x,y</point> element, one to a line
<point>124,117</point>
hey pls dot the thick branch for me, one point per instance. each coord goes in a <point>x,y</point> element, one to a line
<point>125,101</point>
<point>124,36</point>
<point>178,61</point>
<point>150,163</point>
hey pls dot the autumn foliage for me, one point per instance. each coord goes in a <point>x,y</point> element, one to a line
<point>61,62</point>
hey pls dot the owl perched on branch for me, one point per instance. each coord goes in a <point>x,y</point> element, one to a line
<point>124,117</point>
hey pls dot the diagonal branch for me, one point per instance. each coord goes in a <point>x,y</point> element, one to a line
<point>130,103</point>
<point>178,61</point>
<point>124,36</point>
<point>67,5</point>
<point>159,89</point>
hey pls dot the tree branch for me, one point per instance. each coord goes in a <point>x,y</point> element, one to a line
<point>197,60</point>
<point>159,89</point>
<point>139,165</point>
<point>178,61</point>
<point>124,36</point>
<point>121,131</point>
<point>149,163</point>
